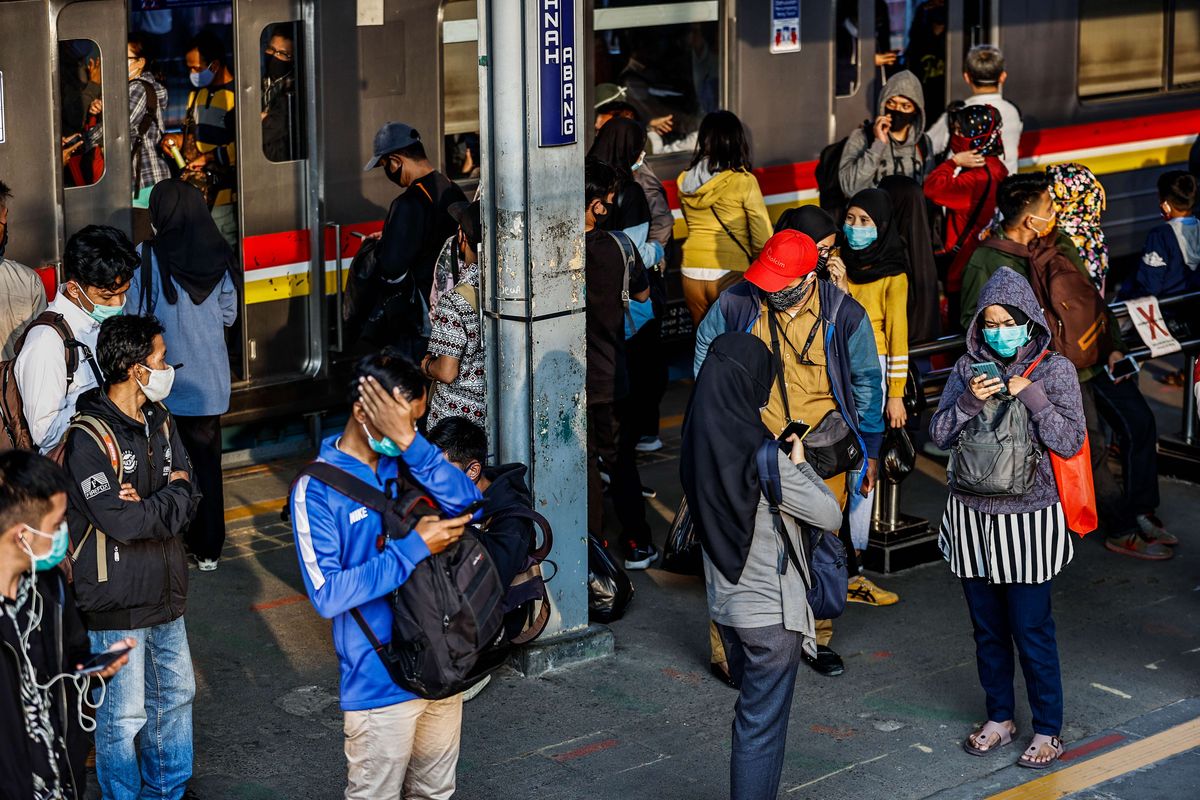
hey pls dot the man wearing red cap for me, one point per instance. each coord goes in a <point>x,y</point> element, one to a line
<point>823,340</point>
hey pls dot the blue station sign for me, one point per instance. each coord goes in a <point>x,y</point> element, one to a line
<point>557,71</point>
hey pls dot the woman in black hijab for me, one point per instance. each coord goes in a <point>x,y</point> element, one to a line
<point>910,216</point>
<point>816,223</point>
<point>762,614</point>
<point>190,280</point>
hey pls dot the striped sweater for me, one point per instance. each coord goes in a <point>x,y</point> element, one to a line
<point>886,303</point>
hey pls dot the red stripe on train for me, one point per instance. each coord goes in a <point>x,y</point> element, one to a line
<point>291,247</point>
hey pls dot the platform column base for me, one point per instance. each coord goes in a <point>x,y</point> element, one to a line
<point>566,650</point>
<point>909,542</point>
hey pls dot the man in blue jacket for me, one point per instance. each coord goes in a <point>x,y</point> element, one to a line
<point>828,359</point>
<point>395,741</point>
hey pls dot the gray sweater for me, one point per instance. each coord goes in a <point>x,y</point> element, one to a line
<point>866,160</point>
<point>763,596</point>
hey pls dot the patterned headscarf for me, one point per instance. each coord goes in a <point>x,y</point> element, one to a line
<point>1080,200</point>
<point>975,128</point>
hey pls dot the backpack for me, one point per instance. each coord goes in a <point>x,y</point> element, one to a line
<point>527,601</point>
<point>826,579</point>
<point>1075,312</point>
<point>447,618</point>
<point>362,289</point>
<point>829,184</point>
<point>149,118</point>
<point>14,428</point>
<point>637,312</point>
<point>994,455</point>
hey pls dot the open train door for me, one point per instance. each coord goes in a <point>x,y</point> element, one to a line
<point>92,98</point>
<point>28,120</point>
<point>282,334</point>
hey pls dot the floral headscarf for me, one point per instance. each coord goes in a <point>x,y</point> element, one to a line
<point>975,127</point>
<point>1080,199</point>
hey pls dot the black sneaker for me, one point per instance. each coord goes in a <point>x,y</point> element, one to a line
<point>826,662</point>
<point>641,557</point>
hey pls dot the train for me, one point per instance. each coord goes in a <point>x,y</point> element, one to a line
<point>1113,85</point>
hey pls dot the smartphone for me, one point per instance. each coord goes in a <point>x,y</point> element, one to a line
<point>471,509</point>
<point>1124,368</point>
<point>797,428</point>
<point>989,369</point>
<point>101,661</point>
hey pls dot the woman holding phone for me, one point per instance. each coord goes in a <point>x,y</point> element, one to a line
<point>761,611</point>
<point>1007,548</point>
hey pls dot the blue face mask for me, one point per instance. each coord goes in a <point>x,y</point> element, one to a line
<point>202,78</point>
<point>1006,341</point>
<point>858,238</point>
<point>384,446</point>
<point>61,541</point>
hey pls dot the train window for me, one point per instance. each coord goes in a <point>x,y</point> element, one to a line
<point>282,96</point>
<point>460,90</point>
<point>1186,56</point>
<point>1120,47</point>
<point>926,54</point>
<point>82,119</point>
<point>845,42</point>
<point>977,24</point>
<point>660,62</point>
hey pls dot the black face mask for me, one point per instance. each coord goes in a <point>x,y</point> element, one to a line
<point>902,119</point>
<point>277,69</point>
<point>786,298</point>
<point>822,263</point>
<point>393,176</point>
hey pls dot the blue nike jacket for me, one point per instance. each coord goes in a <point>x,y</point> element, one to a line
<point>342,569</point>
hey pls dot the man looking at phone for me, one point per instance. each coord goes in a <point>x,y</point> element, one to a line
<point>395,741</point>
<point>1128,510</point>
<point>895,144</point>
<point>38,756</point>
<point>131,499</point>
<point>828,359</point>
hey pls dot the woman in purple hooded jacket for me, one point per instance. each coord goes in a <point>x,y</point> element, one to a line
<point>1007,549</point>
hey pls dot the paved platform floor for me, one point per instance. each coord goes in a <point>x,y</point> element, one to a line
<point>650,722</point>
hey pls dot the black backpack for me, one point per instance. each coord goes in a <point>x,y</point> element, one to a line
<point>447,626</point>
<point>827,579</point>
<point>527,601</point>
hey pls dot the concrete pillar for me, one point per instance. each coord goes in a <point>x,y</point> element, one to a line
<point>532,191</point>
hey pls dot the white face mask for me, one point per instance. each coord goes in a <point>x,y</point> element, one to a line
<point>158,386</point>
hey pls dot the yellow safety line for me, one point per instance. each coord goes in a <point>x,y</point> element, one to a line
<point>1121,761</point>
<point>254,509</point>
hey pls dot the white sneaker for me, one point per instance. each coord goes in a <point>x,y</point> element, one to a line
<point>206,564</point>
<point>648,444</point>
<point>473,692</point>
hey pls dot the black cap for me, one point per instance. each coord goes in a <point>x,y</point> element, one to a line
<point>467,216</point>
<point>391,137</point>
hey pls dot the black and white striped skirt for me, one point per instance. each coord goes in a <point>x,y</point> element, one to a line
<point>1031,547</point>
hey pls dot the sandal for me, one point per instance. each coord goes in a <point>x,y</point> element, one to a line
<point>1004,731</point>
<point>1040,740</point>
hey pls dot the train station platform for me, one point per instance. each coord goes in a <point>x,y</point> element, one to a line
<point>649,722</point>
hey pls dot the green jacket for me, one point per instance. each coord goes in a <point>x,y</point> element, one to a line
<point>985,261</point>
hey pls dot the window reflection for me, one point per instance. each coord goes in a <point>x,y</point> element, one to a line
<point>282,98</point>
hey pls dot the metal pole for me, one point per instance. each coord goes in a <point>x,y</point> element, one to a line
<point>533,257</point>
<point>1189,402</point>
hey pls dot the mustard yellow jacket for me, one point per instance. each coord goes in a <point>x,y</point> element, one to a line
<point>735,198</point>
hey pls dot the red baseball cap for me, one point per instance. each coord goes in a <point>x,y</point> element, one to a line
<point>786,256</point>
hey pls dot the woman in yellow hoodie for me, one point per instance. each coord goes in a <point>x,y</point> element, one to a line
<point>723,207</point>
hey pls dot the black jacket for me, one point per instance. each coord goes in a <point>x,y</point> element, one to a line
<point>506,538</point>
<point>416,227</point>
<point>144,555</point>
<point>55,646</point>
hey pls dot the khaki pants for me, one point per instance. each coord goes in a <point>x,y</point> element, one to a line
<point>407,750</point>
<point>700,295</point>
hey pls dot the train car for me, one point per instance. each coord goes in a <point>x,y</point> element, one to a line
<point>1113,85</point>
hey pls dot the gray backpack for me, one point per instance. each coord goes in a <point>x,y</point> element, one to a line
<point>994,455</point>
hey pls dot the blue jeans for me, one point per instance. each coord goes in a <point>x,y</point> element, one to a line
<point>1004,613</point>
<point>764,661</point>
<point>146,716</point>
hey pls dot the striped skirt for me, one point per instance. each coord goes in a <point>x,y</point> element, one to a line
<point>1031,547</point>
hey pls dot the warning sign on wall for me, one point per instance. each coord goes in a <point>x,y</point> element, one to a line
<point>1148,319</point>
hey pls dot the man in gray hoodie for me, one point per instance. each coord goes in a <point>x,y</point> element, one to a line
<point>896,143</point>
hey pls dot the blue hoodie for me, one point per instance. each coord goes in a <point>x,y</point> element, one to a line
<point>343,570</point>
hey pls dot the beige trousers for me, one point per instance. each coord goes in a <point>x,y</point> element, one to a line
<point>407,750</point>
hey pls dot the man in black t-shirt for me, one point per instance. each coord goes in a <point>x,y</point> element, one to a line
<point>417,226</point>
<point>610,439</point>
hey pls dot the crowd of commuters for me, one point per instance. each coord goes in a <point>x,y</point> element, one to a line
<point>801,365</point>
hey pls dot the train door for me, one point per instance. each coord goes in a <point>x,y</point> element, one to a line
<point>94,121</point>
<point>27,122</point>
<point>284,277</point>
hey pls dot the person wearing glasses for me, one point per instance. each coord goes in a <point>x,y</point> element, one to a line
<point>280,109</point>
